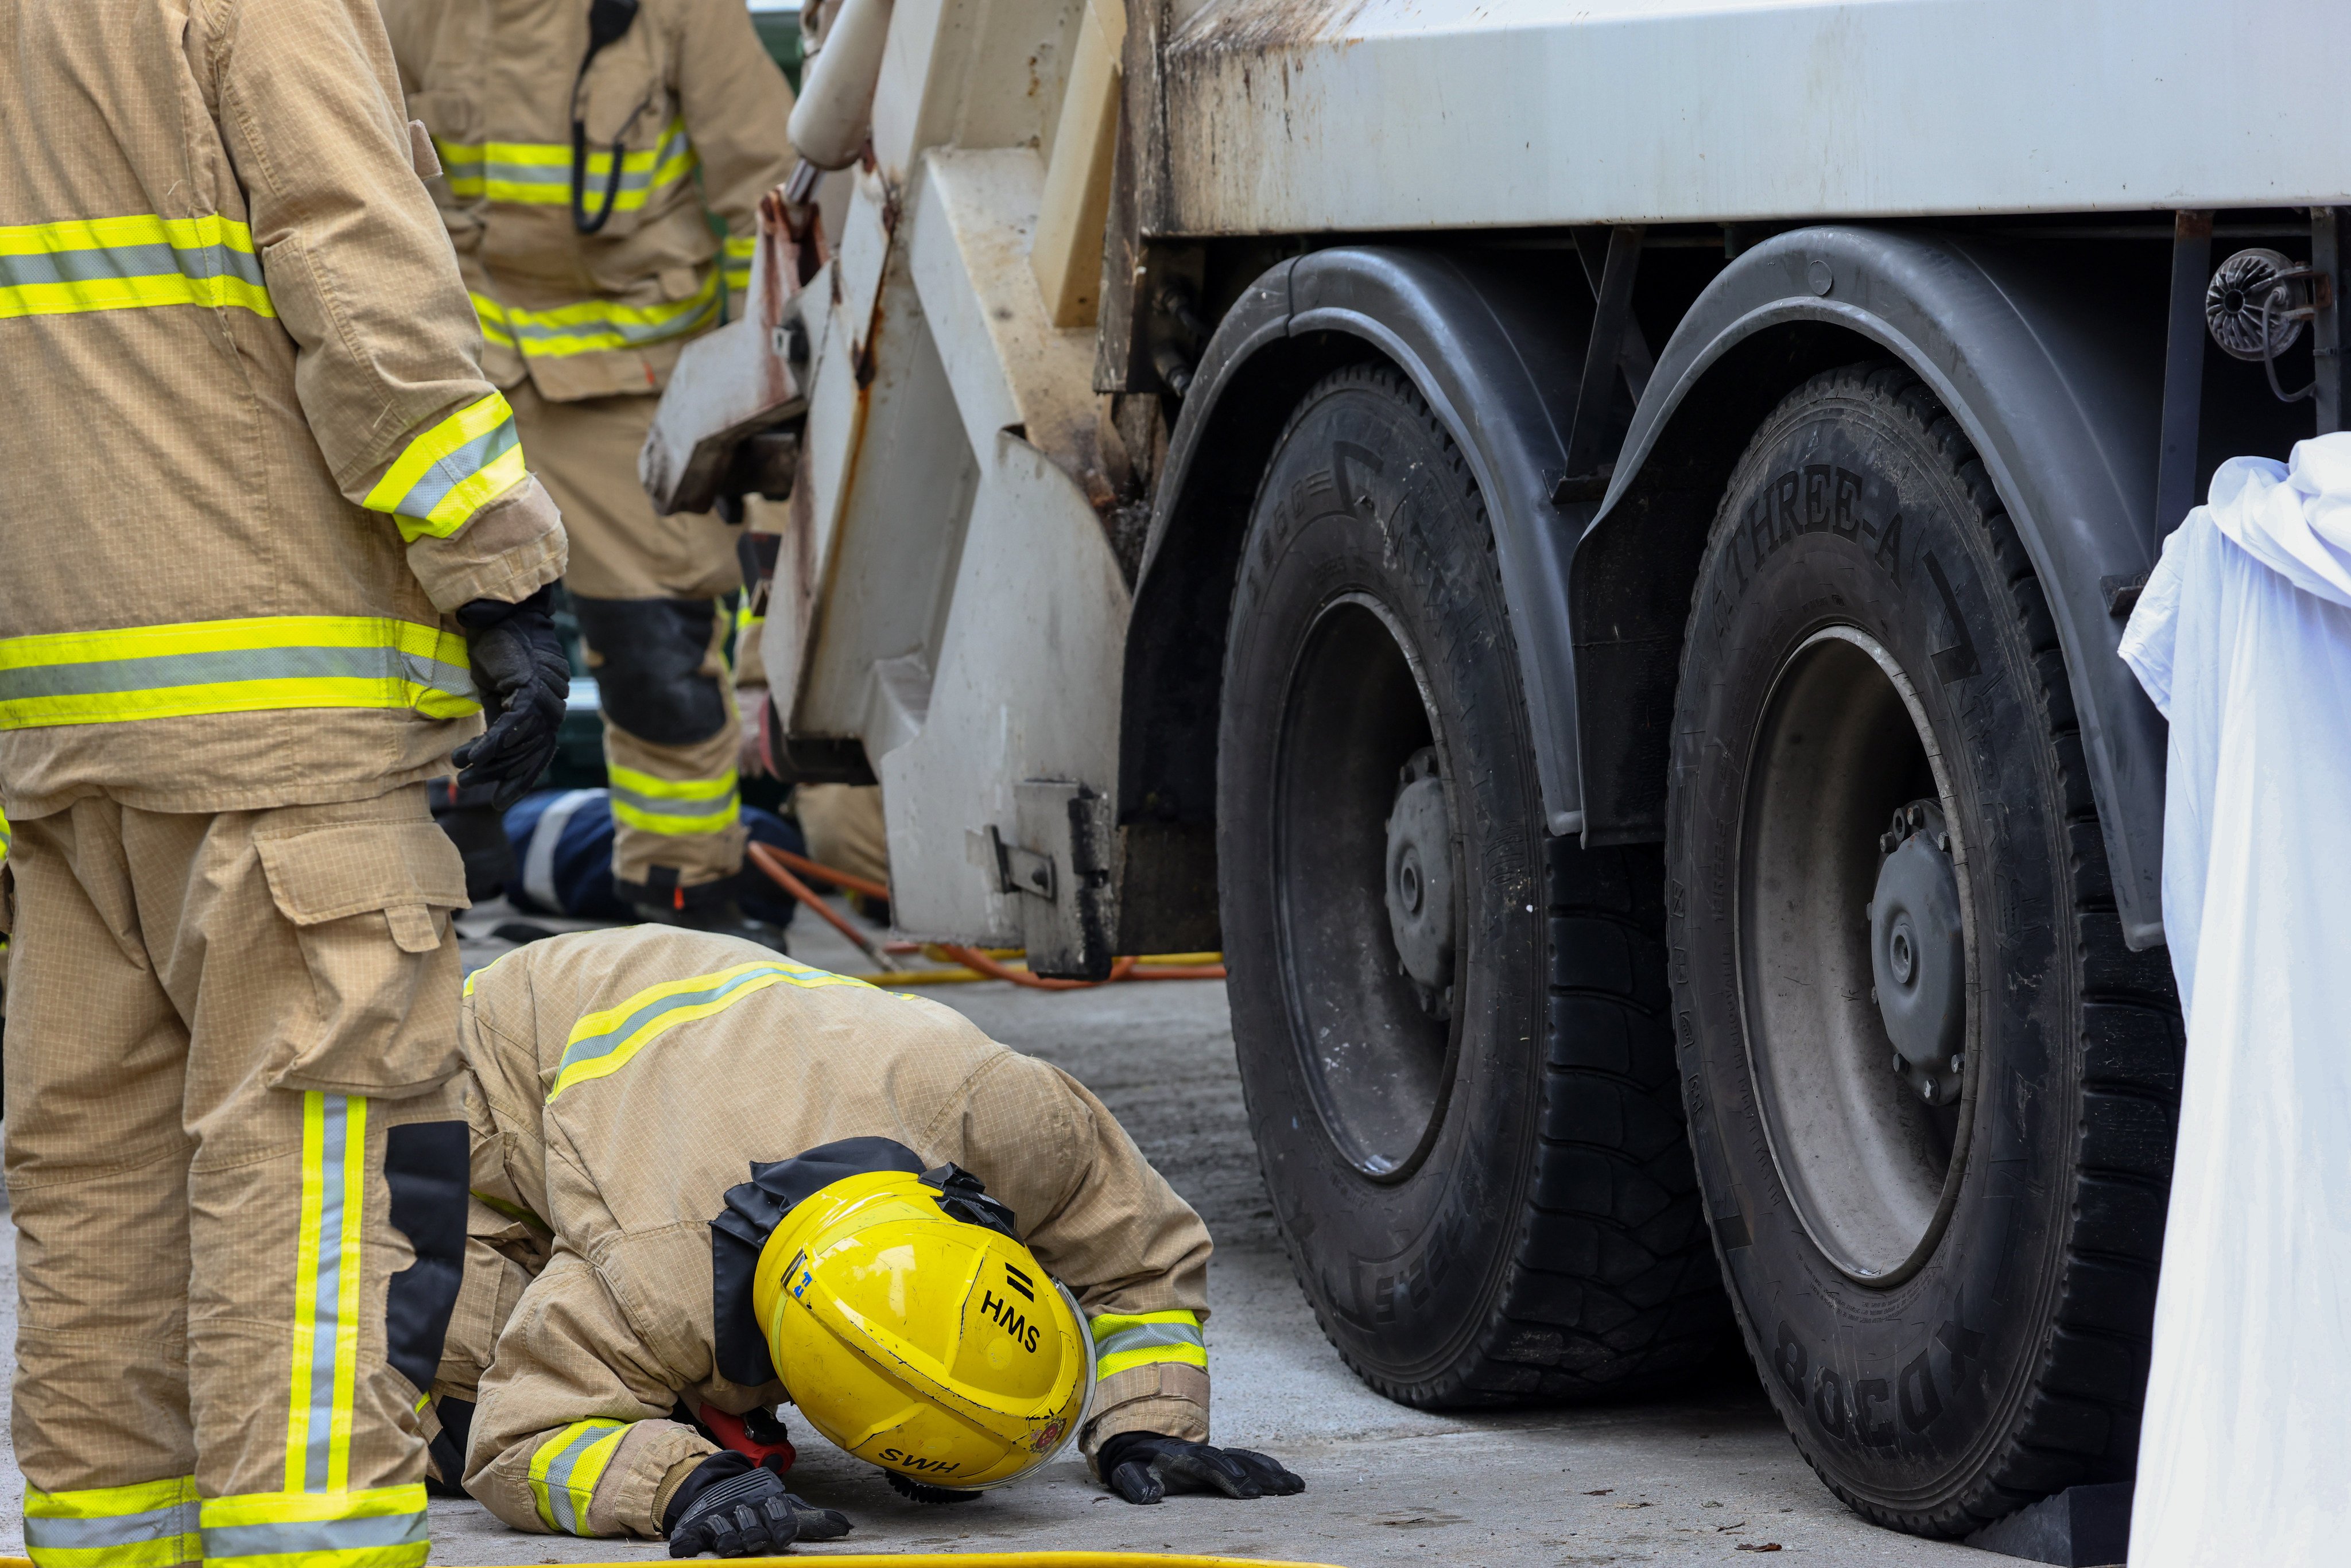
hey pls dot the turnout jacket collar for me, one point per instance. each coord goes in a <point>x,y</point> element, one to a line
<point>753,1211</point>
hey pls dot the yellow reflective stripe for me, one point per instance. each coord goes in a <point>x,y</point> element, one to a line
<point>675,806</point>
<point>444,477</point>
<point>128,263</point>
<point>539,174</point>
<point>232,666</point>
<point>147,1524</point>
<point>493,317</point>
<point>6,838</point>
<point>383,1527</point>
<point>740,251</point>
<point>1125,1340</point>
<point>327,1267</point>
<point>596,325</point>
<point>565,1469</point>
<point>603,1042</point>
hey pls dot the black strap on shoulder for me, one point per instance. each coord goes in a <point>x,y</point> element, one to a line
<point>607,23</point>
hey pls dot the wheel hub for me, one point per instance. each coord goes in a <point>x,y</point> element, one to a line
<point>1918,954</point>
<point>1419,892</point>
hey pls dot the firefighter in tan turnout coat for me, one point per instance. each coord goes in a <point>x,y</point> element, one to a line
<point>624,1086</point>
<point>590,273</point>
<point>255,495</point>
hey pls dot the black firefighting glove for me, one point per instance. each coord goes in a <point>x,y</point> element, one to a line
<point>1143,1466</point>
<point>733,1508</point>
<point>523,678</point>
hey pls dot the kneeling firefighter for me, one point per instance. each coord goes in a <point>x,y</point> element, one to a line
<point>948,1256</point>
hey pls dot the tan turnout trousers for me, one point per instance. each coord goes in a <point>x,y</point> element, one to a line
<point>622,1081</point>
<point>634,575</point>
<point>206,1252</point>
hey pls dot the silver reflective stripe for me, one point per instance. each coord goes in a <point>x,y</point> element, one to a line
<point>105,263</point>
<point>539,865</point>
<point>1149,1336</point>
<point>327,1291</point>
<point>457,466</point>
<point>119,1530</point>
<point>162,670</point>
<point>597,1045</point>
<point>668,805</point>
<point>314,1535</point>
<point>559,1478</point>
<point>688,314</point>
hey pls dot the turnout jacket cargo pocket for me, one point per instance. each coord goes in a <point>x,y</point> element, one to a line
<point>369,903</point>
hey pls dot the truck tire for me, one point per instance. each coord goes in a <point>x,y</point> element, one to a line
<point>1465,1105</point>
<point>1883,848</point>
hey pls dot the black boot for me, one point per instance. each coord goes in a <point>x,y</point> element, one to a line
<point>659,901</point>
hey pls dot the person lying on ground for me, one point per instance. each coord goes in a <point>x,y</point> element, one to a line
<point>948,1256</point>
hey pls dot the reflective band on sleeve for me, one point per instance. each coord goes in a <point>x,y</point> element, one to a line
<point>1125,1340</point>
<point>327,1267</point>
<point>232,666</point>
<point>128,264</point>
<point>382,1528</point>
<point>148,1524</point>
<point>565,1469</point>
<point>675,806</point>
<point>602,1042</point>
<point>448,472</point>
<point>596,325</point>
<point>539,174</point>
<point>6,838</point>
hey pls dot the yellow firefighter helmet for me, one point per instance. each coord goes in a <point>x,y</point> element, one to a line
<point>914,1331</point>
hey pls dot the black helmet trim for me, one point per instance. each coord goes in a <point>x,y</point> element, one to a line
<point>961,1197</point>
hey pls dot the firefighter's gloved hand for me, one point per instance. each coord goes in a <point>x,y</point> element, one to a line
<point>732,1508</point>
<point>523,678</point>
<point>1143,1466</point>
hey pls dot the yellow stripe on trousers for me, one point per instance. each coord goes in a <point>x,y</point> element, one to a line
<point>679,807</point>
<point>326,1292</point>
<point>318,1521</point>
<point>148,1524</point>
<point>564,1471</point>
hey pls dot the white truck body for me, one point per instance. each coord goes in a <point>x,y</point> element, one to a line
<point>948,595</point>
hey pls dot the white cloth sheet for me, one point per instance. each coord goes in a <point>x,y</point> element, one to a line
<point>2243,639</point>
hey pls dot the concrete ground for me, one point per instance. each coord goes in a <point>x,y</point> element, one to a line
<point>1705,1478</point>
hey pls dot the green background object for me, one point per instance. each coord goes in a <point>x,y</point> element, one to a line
<point>780,31</point>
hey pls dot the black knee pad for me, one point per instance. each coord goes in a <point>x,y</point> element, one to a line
<point>426,1165</point>
<point>652,678</point>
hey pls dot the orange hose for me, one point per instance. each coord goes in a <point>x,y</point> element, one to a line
<point>972,958</point>
<point>839,879</point>
<point>779,864</point>
<point>784,878</point>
